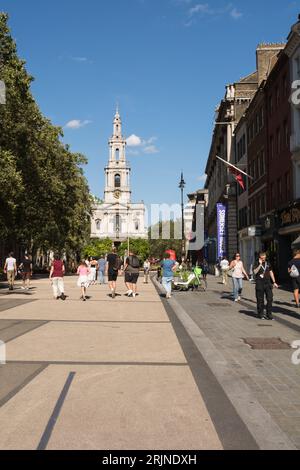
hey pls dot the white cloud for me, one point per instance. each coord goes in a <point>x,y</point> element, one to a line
<point>151,149</point>
<point>80,59</point>
<point>235,14</point>
<point>201,178</point>
<point>77,124</point>
<point>134,141</point>
<point>202,8</point>
<point>144,146</point>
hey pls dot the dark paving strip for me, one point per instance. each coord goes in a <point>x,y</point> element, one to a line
<point>13,380</point>
<point>11,324</point>
<point>81,363</point>
<point>21,329</point>
<point>232,431</point>
<point>96,321</point>
<point>7,304</point>
<point>280,320</point>
<point>56,412</point>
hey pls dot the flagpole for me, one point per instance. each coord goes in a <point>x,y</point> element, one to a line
<point>235,167</point>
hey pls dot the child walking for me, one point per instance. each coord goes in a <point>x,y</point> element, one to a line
<point>83,281</point>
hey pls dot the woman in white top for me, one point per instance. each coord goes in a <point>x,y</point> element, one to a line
<point>238,274</point>
<point>225,268</point>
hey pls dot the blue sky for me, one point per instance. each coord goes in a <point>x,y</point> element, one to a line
<point>165,61</point>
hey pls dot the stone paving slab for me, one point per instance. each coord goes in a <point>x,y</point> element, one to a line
<point>132,388</point>
<point>270,375</point>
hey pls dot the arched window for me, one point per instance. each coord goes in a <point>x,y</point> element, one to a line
<point>98,225</point>
<point>117,181</point>
<point>118,223</point>
<point>137,225</point>
<point>117,154</point>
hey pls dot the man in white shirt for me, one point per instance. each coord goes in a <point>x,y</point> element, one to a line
<point>10,268</point>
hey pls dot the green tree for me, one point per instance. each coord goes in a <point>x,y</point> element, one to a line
<point>49,205</point>
<point>159,246</point>
<point>139,246</point>
<point>96,248</point>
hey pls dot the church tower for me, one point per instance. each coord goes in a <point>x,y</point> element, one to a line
<point>117,172</point>
<point>117,217</point>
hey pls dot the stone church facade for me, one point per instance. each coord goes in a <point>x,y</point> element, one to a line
<point>117,217</point>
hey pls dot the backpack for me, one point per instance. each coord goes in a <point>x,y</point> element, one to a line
<point>117,264</point>
<point>294,272</point>
<point>134,262</point>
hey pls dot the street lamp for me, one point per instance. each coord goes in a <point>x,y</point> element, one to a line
<point>181,187</point>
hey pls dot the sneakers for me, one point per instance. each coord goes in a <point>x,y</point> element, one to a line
<point>113,294</point>
<point>63,297</point>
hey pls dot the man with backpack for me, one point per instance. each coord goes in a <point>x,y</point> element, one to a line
<point>132,272</point>
<point>113,264</point>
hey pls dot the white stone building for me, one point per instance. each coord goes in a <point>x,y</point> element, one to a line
<point>117,217</point>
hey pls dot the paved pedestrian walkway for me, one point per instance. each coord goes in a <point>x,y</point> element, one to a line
<point>105,374</point>
<point>263,385</point>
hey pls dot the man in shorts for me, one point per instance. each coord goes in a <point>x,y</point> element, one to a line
<point>10,269</point>
<point>132,272</point>
<point>112,270</point>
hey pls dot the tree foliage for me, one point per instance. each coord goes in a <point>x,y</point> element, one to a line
<point>44,196</point>
<point>168,239</point>
<point>97,248</point>
<point>139,246</point>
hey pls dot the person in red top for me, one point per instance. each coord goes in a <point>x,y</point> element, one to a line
<point>57,278</point>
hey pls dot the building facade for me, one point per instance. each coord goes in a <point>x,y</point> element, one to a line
<point>117,217</point>
<point>220,183</point>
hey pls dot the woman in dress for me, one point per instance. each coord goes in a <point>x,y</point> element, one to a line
<point>83,280</point>
<point>238,274</point>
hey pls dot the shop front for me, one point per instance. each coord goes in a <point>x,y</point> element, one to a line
<point>289,234</point>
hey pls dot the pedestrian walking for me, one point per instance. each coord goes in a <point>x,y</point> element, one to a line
<point>205,269</point>
<point>56,276</point>
<point>93,271</point>
<point>113,264</point>
<point>83,282</point>
<point>147,267</point>
<point>26,271</point>
<point>224,269</point>
<point>101,270</point>
<point>10,269</point>
<point>238,274</point>
<point>264,276</point>
<point>168,268</point>
<point>132,272</point>
<point>294,271</point>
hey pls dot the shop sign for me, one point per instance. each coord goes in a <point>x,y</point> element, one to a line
<point>290,216</point>
<point>222,229</point>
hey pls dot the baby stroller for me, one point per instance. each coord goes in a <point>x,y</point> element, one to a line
<point>193,281</point>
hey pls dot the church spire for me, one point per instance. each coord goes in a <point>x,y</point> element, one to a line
<point>117,124</point>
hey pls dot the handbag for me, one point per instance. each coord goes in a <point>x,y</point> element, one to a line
<point>294,272</point>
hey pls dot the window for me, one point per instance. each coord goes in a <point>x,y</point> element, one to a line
<point>277,96</point>
<point>117,181</point>
<point>262,163</point>
<point>117,223</point>
<point>98,225</point>
<point>137,225</point>
<point>286,134</point>
<point>279,190</point>
<point>270,104</point>
<point>271,147</point>
<point>278,141</point>
<point>117,154</point>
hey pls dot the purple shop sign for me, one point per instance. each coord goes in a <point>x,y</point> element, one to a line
<point>222,229</point>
